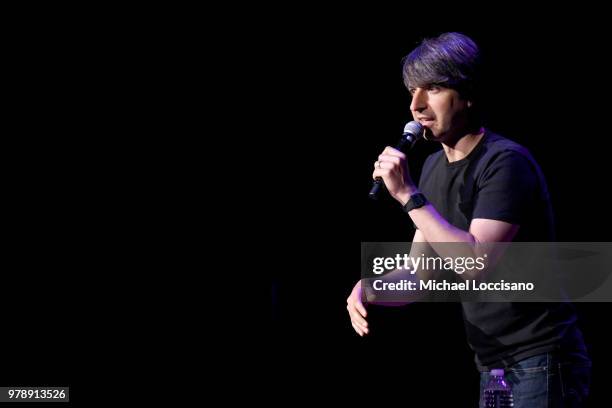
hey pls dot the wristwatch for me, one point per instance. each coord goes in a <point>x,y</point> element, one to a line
<point>416,200</point>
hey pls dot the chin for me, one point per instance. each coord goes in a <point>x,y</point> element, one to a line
<point>430,135</point>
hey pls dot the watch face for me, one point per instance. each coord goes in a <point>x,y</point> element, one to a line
<point>419,200</point>
<point>416,201</point>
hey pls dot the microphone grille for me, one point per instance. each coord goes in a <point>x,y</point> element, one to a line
<point>414,128</point>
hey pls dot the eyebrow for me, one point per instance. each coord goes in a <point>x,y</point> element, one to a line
<point>426,86</point>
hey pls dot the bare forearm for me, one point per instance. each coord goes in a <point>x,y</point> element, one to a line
<point>445,239</point>
<point>436,229</point>
<point>433,226</point>
<point>412,276</point>
<point>377,290</point>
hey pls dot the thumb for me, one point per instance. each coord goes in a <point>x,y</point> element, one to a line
<point>360,299</point>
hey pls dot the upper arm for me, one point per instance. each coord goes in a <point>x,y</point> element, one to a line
<point>485,233</point>
<point>485,230</point>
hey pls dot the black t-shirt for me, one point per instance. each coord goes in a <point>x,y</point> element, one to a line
<point>500,180</point>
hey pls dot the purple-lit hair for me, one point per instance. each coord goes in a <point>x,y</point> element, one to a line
<point>451,60</point>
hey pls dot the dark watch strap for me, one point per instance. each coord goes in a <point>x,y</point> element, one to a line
<point>416,200</point>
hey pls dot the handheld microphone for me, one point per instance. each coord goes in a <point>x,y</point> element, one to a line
<point>412,132</point>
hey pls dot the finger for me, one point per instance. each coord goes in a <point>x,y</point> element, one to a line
<point>393,152</point>
<point>361,309</point>
<point>386,165</point>
<point>360,330</point>
<point>356,317</point>
<point>354,301</point>
<point>388,158</point>
<point>381,173</point>
<point>363,327</point>
<point>364,330</point>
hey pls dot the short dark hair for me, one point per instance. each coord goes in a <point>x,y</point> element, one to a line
<point>451,60</point>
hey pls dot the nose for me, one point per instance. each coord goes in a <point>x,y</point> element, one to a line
<point>419,100</point>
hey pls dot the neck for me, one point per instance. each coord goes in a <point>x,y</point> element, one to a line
<point>462,146</point>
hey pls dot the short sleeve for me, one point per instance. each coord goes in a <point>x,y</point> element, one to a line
<point>507,188</point>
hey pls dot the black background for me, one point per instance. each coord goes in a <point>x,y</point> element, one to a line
<point>319,94</point>
<point>344,101</point>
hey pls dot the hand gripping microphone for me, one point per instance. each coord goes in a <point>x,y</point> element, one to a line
<point>412,132</point>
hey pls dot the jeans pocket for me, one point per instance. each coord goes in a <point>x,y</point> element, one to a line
<point>574,382</point>
<point>528,370</point>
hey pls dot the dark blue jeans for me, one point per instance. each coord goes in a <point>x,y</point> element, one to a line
<point>547,381</point>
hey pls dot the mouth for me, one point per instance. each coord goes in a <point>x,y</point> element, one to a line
<point>426,121</point>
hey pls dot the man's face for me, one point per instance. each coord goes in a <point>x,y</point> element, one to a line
<point>440,110</point>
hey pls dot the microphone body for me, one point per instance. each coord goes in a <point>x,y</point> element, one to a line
<point>412,132</point>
